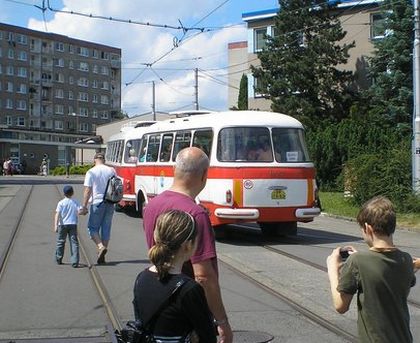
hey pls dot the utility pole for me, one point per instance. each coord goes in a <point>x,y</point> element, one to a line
<point>153,101</point>
<point>416,88</point>
<point>197,107</point>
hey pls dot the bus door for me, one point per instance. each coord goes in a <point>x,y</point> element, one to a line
<point>164,171</point>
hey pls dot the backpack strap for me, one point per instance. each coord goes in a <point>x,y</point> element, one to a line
<point>166,302</point>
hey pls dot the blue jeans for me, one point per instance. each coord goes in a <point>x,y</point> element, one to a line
<point>71,231</point>
<point>100,220</point>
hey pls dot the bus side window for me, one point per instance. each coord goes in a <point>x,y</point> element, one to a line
<point>142,150</point>
<point>182,140</point>
<point>153,148</point>
<point>203,139</point>
<point>165,151</point>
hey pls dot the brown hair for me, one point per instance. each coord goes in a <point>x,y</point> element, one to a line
<point>379,213</point>
<point>172,229</point>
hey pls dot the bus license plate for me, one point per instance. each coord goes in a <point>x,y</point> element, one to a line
<point>278,194</point>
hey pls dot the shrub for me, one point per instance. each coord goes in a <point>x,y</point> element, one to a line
<point>385,173</point>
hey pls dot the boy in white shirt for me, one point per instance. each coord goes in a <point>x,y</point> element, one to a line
<point>65,223</point>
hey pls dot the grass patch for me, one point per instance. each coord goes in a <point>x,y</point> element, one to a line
<point>335,203</point>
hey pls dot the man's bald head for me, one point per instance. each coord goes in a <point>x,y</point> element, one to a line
<point>191,161</point>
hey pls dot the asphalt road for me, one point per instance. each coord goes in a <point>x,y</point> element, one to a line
<point>41,299</point>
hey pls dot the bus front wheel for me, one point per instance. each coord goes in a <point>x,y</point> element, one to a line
<point>271,229</point>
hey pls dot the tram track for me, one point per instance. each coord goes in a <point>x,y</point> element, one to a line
<point>13,235</point>
<point>20,213</point>
<point>115,321</point>
<point>299,259</point>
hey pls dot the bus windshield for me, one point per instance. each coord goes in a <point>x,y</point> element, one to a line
<point>259,144</point>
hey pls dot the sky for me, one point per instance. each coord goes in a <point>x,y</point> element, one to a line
<point>164,55</point>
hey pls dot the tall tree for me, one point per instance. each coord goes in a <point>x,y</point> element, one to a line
<point>243,93</point>
<point>299,67</point>
<point>391,68</point>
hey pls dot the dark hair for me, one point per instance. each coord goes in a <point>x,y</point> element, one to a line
<point>172,229</point>
<point>379,213</point>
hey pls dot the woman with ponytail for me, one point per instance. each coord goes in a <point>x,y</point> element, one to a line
<point>186,317</point>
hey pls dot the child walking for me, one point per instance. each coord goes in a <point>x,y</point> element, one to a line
<point>381,277</point>
<point>65,223</point>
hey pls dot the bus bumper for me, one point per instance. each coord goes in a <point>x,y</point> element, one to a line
<point>129,197</point>
<point>307,213</point>
<point>239,213</point>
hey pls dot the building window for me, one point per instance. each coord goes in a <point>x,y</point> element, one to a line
<point>105,85</point>
<point>83,96</point>
<point>58,77</point>
<point>83,51</point>
<point>59,109</point>
<point>59,46</point>
<point>84,66</point>
<point>95,53</point>
<point>95,98</point>
<point>21,88</point>
<point>20,121</point>
<point>377,26</point>
<point>21,72</point>
<point>22,56</point>
<point>95,69</point>
<point>94,113</point>
<point>71,65</point>
<point>71,80</point>
<point>58,124</point>
<point>104,70</point>
<point>104,115</point>
<point>59,62</point>
<point>21,105</point>
<point>83,82</point>
<point>104,100</point>
<point>9,120</point>
<point>83,112</point>
<point>71,97</point>
<point>94,84</point>
<point>260,41</point>
<point>84,127</point>
<point>9,103</point>
<point>9,70</point>
<point>1,35</point>
<point>22,39</point>
<point>70,111</point>
<point>11,54</point>
<point>104,55</point>
<point>59,93</point>
<point>9,87</point>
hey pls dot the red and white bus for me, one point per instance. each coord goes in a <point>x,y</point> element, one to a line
<point>260,170</point>
<point>122,151</point>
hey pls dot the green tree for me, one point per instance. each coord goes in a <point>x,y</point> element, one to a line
<point>243,93</point>
<point>391,68</point>
<point>299,65</point>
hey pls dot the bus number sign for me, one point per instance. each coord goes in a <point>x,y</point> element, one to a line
<point>278,194</point>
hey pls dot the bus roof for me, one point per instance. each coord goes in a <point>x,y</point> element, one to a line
<point>228,118</point>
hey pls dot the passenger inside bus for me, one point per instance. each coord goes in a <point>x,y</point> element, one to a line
<point>251,149</point>
<point>132,155</point>
<point>264,152</point>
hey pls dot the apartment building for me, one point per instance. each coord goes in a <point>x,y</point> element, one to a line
<point>362,20</point>
<point>54,91</point>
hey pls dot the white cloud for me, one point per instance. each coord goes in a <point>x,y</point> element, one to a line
<point>142,44</point>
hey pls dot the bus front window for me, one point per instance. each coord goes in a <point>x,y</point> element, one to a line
<point>245,144</point>
<point>289,145</point>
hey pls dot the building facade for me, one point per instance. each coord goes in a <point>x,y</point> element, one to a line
<point>54,91</point>
<point>362,20</point>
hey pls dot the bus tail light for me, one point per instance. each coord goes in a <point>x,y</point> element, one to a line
<point>127,185</point>
<point>229,196</point>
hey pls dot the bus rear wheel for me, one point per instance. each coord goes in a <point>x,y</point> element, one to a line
<point>276,229</point>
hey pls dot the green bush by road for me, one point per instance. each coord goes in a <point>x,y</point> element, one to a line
<point>336,204</point>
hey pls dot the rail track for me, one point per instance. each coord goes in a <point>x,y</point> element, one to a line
<point>113,322</point>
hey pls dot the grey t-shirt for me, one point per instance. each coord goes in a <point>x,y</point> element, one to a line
<point>382,281</point>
